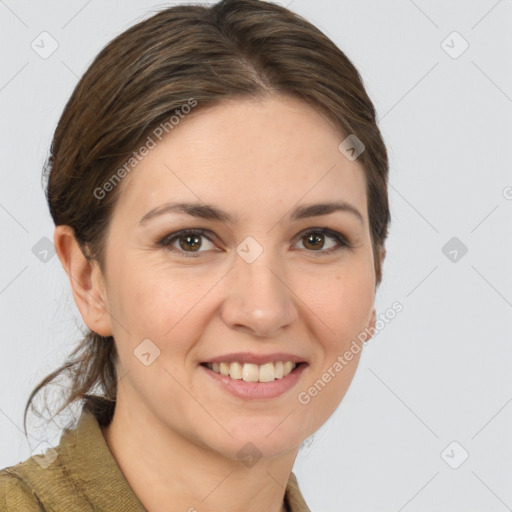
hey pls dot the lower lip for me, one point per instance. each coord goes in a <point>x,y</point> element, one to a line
<point>257,390</point>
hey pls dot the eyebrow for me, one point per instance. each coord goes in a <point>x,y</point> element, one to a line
<point>210,212</point>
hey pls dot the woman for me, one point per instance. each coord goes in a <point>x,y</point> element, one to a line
<point>219,189</point>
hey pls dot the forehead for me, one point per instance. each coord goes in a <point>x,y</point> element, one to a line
<point>247,156</point>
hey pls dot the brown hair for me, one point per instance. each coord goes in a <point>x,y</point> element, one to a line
<point>233,49</point>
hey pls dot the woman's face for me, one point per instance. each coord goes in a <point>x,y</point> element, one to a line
<point>257,279</point>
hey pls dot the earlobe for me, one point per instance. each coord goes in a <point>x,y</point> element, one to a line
<point>86,280</point>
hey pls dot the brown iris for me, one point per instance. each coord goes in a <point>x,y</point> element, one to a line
<point>312,239</point>
<point>192,242</point>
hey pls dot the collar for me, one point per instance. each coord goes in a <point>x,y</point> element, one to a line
<point>86,477</point>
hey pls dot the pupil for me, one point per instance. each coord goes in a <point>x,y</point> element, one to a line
<point>312,239</point>
<point>194,243</point>
<point>190,240</point>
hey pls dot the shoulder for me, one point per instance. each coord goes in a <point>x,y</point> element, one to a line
<point>73,476</point>
<point>42,483</point>
<point>30,485</point>
<point>15,492</point>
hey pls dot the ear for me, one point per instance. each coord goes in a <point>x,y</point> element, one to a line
<point>86,281</point>
<point>371,326</point>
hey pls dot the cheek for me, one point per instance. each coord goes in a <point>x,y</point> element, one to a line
<point>343,303</point>
<point>164,305</point>
<point>150,300</point>
<point>139,287</point>
<point>341,313</point>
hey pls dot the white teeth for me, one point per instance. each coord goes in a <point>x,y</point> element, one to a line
<point>235,371</point>
<point>224,368</point>
<point>288,367</point>
<point>267,373</point>
<point>250,372</point>
<point>279,368</point>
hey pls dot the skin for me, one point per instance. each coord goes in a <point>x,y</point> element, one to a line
<point>174,434</point>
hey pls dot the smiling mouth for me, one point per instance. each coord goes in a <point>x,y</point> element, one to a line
<point>250,372</point>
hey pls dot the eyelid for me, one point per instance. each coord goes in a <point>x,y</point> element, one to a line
<point>170,238</point>
<point>182,232</point>
<point>330,233</point>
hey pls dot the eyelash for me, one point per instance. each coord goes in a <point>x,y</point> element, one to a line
<point>168,240</point>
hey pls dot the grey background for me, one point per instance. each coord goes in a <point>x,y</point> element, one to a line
<point>440,371</point>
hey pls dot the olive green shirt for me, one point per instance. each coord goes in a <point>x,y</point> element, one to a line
<point>81,475</point>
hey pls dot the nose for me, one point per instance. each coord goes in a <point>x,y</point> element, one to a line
<point>259,298</point>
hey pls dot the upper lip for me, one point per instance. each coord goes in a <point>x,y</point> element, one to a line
<point>251,357</point>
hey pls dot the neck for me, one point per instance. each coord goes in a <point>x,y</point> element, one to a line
<point>164,467</point>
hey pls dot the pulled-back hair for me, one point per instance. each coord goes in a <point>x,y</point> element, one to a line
<point>232,49</point>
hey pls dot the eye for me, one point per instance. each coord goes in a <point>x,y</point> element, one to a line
<point>189,242</point>
<point>314,240</point>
